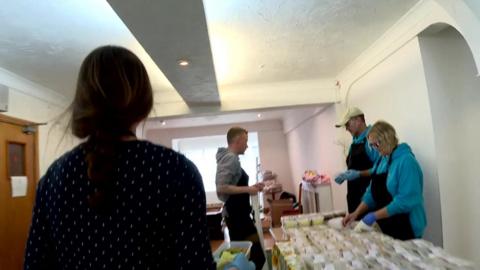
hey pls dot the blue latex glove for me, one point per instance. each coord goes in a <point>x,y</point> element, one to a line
<point>369,219</point>
<point>241,263</point>
<point>348,175</point>
<point>340,178</point>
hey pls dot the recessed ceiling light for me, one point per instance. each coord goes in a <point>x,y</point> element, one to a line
<point>163,122</point>
<point>183,62</point>
<point>259,115</point>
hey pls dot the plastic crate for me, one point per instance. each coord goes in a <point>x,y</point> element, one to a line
<point>247,245</point>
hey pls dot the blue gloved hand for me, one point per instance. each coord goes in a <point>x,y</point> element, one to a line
<point>352,174</point>
<point>241,263</point>
<point>340,178</point>
<point>369,219</point>
<point>348,175</point>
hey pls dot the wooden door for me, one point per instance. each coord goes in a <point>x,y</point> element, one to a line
<point>18,157</point>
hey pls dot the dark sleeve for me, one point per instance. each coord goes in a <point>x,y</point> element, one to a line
<point>38,253</point>
<point>192,249</point>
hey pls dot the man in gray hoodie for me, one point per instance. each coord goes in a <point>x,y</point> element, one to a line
<point>233,189</point>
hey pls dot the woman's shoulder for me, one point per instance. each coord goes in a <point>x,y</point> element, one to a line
<point>405,159</point>
<point>74,155</point>
<point>138,151</point>
<point>162,152</point>
<point>157,148</point>
<point>403,152</point>
<point>70,160</point>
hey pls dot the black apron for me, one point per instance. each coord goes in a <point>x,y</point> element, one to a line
<point>358,160</point>
<point>240,225</point>
<point>238,205</point>
<point>397,226</point>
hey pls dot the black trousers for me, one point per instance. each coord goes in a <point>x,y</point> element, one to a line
<point>243,229</point>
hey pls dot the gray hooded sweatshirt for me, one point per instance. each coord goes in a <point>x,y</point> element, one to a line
<point>228,170</point>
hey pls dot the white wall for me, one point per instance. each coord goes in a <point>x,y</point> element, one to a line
<point>271,139</point>
<point>31,102</point>
<point>454,92</point>
<point>464,16</point>
<point>311,145</point>
<point>395,91</point>
<point>54,138</point>
<point>274,156</point>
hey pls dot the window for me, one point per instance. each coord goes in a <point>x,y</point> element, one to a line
<point>202,152</point>
<point>16,159</point>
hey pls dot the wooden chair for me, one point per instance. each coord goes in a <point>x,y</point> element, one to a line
<point>299,209</point>
<point>281,208</point>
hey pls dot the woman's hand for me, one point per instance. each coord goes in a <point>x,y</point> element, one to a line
<point>362,208</point>
<point>349,218</point>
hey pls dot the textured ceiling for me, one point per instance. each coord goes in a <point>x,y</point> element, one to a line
<point>46,41</point>
<point>254,43</point>
<point>258,41</point>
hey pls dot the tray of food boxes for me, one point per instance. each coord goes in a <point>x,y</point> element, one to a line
<point>315,243</point>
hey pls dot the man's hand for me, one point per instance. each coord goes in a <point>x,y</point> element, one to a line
<point>348,175</point>
<point>232,189</point>
<point>260,185</point>
<point>254,189</point>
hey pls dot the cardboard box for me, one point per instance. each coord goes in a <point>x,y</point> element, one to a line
<point>277,209</point>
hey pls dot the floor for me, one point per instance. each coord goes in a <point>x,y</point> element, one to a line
<point>268,240</point>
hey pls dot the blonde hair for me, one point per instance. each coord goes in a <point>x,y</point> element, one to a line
<point>385,134</point>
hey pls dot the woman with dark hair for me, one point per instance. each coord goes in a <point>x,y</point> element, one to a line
<point>115,202</point>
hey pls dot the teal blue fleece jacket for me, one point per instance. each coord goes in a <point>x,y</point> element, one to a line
<point>405,184</point>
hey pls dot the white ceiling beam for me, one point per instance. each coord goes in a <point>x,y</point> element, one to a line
<point>171,30</point>
<point>258,96</point>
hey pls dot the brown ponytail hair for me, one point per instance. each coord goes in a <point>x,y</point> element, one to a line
<point>113,95</point>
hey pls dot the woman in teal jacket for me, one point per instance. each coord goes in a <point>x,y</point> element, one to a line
<point>394,197</point>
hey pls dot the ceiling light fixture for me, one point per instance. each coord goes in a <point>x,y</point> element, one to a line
<point>163,122</point>
<point>183,62</point>
<point>259,115</point>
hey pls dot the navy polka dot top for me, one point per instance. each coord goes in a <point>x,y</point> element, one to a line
<point>158,220</point>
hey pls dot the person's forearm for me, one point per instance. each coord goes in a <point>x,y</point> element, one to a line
<point>381,213</point>
<point>362,208</point>
<point>231,189</point>
<point>365,173</point>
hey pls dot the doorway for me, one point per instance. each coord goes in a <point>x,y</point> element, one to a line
<point>454,94</point>
<point>18,158</point>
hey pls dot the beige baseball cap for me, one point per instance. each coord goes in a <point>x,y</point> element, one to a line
<point>349,113</point>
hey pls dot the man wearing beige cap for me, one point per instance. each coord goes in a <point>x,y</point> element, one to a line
<point>361,157</point>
